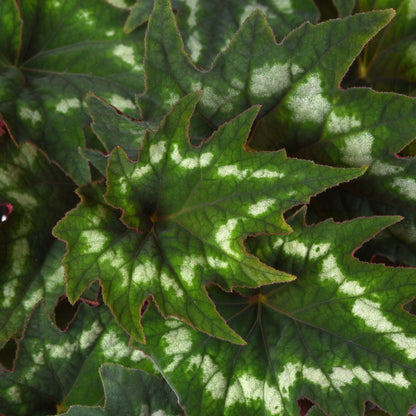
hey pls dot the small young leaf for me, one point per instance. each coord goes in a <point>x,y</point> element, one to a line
<point>185,213</point>
<point>337,336</point>
<point>131,392</point>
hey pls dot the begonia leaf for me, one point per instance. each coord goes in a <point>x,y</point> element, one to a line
<point>52,53</point>
<point>207,27</point>
<point>39,194</point>
<point>57,369</point>
<point>185,212</point>
<point>254,69</point>
<point>308,114</point>
<point>387,63</point>
<point>345,7</point>
<point>337,336</point>
<point>131,392</point>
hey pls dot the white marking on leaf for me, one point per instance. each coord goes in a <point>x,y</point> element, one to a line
<point>357,149</point>
<point>88,337</point>
<point>272,399</point>
<point>398,379</point>
<point>287,377</point>
<point>9,293</point>
<point>33,299</point>
<point>39,358</point>
<point>252,386</point>
<point>316,376</point>
<point>94,241</point>
<point>172,99</point>
<point>296,69</point>
<point>307,102</point>
<point>177,341</point>
<point>342,124</point>
<point>66,104</point>
<point>54,279</point>
<point>119,3</point>
<point>205,159</point>
<point>224,235</point>
<point>213,101</point>
<point>214,381</point>
<point>406,187</point>
<point>20,253</point>
<point>371,313</point>
<point>122,103</point>
<point>85,15</point>
<point>139,172</point>
<point>27,114</point>
<point>144,273</point>
<point>157,151</point>
<point>261,207</point>
<point>331,271</point>
<point>269,80</point>
<point>295,248</point>
<point>169,283</point>
<point>319,250</point>
<point>110,33</point>
<point>113,348</point>
<point>117,262</point>
<point>194,45</point>
<point>216,263</point>
<point>249,8</point>
<point>14,393</point>
<point>385,169</point>
<point>138,355</point>
<point>125,53</point>
<point>27,201</point>
<point>342,376</point>
<point>232,170</point>
<point>411,10</point>
<point>265,173</point>
<point>188,269</point>
<point>62,351</point>
<point>235,394</point>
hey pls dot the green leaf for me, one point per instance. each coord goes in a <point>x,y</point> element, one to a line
<point>186,211</point>
<point>56,369</point>
<point>345,7</point>
<point>337,335</point>
<point>30,258</point>
<point>387,63</point>
<point>207,27</point>
<point>131,392</point>
<point>253,69</point>
<point>52,53</point>
<point>113,128</point>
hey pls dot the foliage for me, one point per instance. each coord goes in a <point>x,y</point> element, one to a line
<point>211,186</point>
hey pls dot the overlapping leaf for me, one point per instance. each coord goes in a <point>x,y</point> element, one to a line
<point>207,27</point>
<point>185,213</point>
<point>52,53</point>
<point>55,369</point>
<point>131,392</point>
<point>253,69</point>
<point>338,335</point>
<point>387,63</point>
<point>308,114</point>
<point>30,258</point>
<point>345,7</point>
